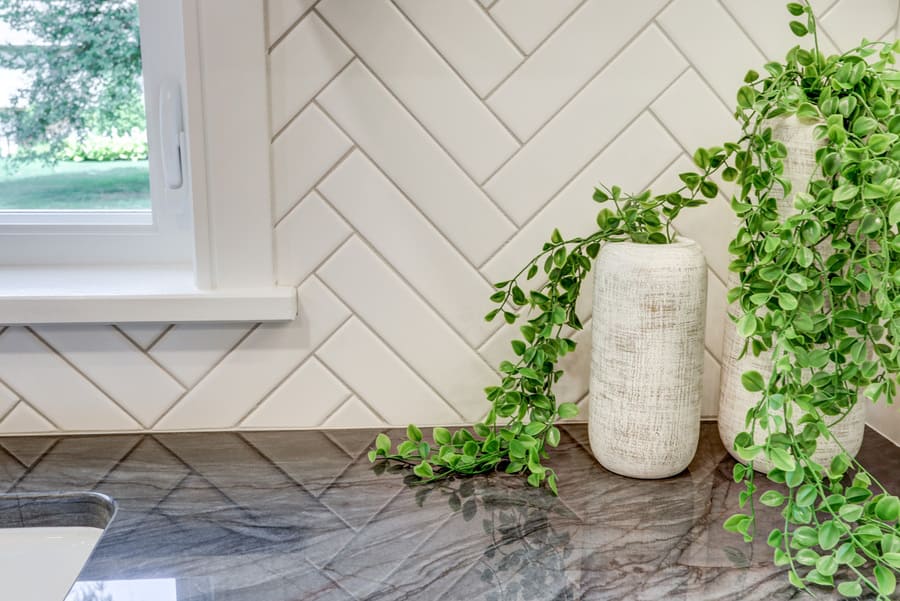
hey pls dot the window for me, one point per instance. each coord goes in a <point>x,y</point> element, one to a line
<point>199,246</point>
<point>84,99</point>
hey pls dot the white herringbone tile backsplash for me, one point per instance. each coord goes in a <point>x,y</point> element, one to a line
<point>422,149</point>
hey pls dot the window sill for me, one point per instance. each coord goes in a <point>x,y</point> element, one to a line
<point>115,294</point>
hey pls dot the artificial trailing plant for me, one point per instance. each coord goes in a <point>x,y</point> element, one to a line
<point>523,407</point>
<point>818,290</point>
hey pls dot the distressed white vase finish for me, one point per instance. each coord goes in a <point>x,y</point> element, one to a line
<point>648,318</point>
<point>734,400</point>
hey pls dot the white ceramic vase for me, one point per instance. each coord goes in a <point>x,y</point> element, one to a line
<point>647,357</point>
<point>734,400</point>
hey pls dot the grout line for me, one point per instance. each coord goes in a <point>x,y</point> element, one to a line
<point>503,32</point>
<point>281,381</point>
<point>404,278</point>
<point>581,168</point>
<point>536,49</point>
<point>697,70</point>
<point>156,338</point>
<point>415,118</point>
<point>315,185</point>
<point>311,101</point>
<point>393,350</point>
<point>138,422</point>
<point>453,68</point>
<point>177,402</point>
<point>746,33</point>
<point>409,199</point>
<point>577,92</point>
<point>152,359</point>
<point>344,402</point>
<point>287,32</point>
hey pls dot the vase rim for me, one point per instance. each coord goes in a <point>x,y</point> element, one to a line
<point>678,242</point>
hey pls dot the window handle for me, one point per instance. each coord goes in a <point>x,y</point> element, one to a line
<point>171,133</point>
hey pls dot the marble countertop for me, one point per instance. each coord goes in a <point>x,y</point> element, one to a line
<point>290,516</point>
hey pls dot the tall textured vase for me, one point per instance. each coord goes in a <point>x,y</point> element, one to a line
<point>647,357</point>
<point>734,400</point>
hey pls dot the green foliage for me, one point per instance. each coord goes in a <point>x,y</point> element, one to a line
<point>84,74</point>
<point>818,289</point>
<point>831,319</point>
<point>519,426</point>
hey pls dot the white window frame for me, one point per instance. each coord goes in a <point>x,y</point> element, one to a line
<point>230,275</point>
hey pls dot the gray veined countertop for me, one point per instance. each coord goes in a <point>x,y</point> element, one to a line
<point>291,516</point>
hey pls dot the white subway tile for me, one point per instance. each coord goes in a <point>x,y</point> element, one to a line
<point>117,367</point>
<point>693,113</point>
<point>8,398</point>
<point>529,22</point>
<point>639,154</point>
<point>686,20</point>
<point>281,14</point>
<point>709,402</point>
<point>190,350</point>
<point>25,420</point>
<point>412,329</point>
<point>568,60</point>
<point>411,158</point>
<point>44,380</point>
<point>300,65</point>
<point>143,334</point>
<point>268,355</point>
<point>304,400</point>
<point>576,134</point>
<point>376,374</point>
<point>302,154</point>
<point>305,238</point>
<point>766,22</point>
<point>850,21</point>
<point>386,42</point>
<point>712,225</point>
<point>418,251</point>
<point>353,414</point>
<point>716,307</point>
<point>483,56</point>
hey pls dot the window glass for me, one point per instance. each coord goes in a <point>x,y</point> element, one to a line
<point>72,115</point>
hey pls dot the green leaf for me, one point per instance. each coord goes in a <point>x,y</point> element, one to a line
<point>806,495</point>
<point>413,433</point>
<point>567,410</point>
<point>746,325</point>
<point>739,522</point>
<point>894,214</point>
<point>798,28</point>
<point>373,455</point>
<point>886,580</point>
<point>795,9</point>
<point>424,471</point>
<point>745,97</point>
<point>827,565</point>
<point>829,535</point>
<point>787,301</point>
<point>805,536</point>
<point>518,347</point>
<point>553,436</point>
<point>753,381</point>
<point>888,508</point>
<point>383,443</point>
<point>772,498</point>
<point>850,589</point>
<point>441,436</point>
<point>781,459</point>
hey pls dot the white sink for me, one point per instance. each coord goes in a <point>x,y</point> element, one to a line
<point>45,540</point>
<point>41,564</point>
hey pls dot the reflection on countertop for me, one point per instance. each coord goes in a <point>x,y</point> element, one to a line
<point>290,516</point>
